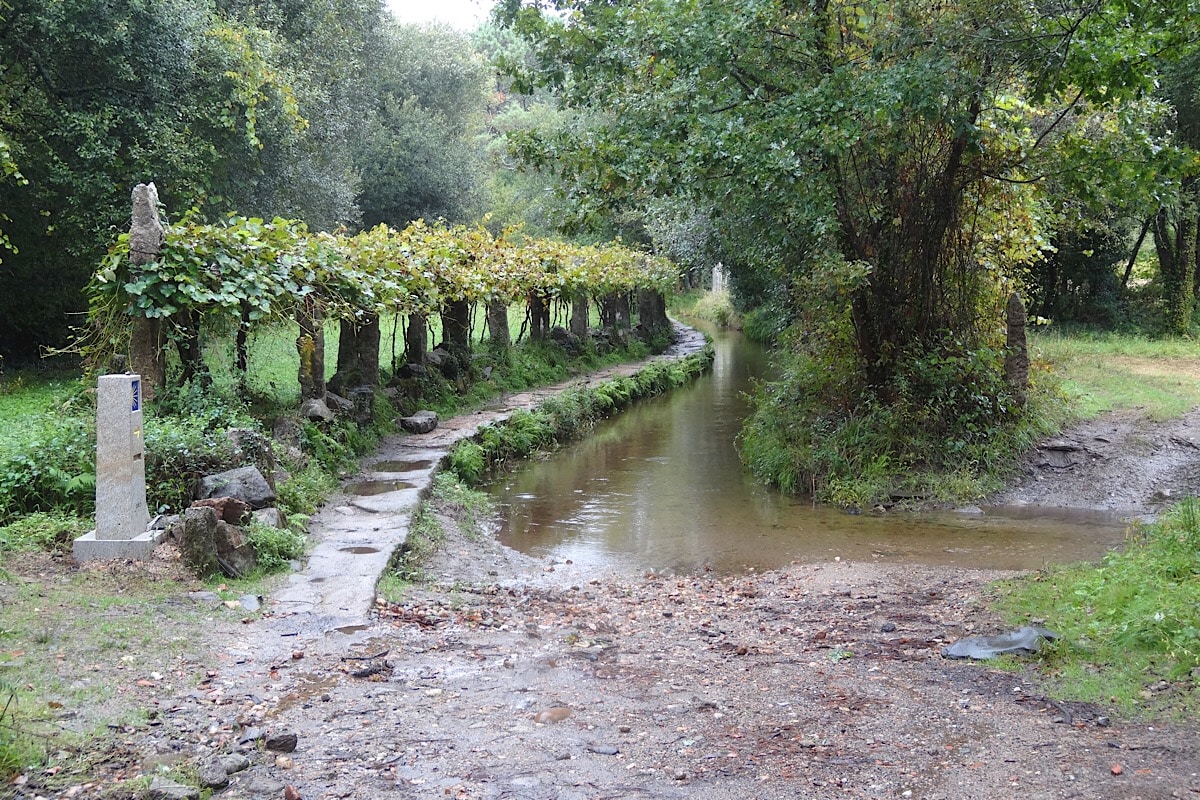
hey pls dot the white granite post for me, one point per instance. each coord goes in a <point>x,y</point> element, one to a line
<point>121,513</point>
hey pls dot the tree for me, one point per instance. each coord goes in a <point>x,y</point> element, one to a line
<point>1177,224</point>
<point>419,156</point>
<point>97,96</point>
<point>875,167</point>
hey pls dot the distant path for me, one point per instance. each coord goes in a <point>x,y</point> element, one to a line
<point>1119,462</point>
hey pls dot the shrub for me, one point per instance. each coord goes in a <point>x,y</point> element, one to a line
<point>275,548</point>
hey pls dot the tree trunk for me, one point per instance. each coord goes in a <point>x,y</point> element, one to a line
<point>191,355</point>
<point>652,314</point>
<point>539,317</point>
<point>456,331</point>
<point>242,343</point>
<point>146,355</point>
<point>358,354</point>
<point>310,345</point>
<point>1176,247</point>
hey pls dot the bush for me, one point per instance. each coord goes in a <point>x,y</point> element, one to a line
<point>946,429</point>
<point>43,530</point>
<point>56,471</point>
<point>275,548</point>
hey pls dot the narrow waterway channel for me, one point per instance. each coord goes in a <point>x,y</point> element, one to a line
<point>661,487</point>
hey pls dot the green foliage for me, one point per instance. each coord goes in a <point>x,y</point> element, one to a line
<point>566,415</point>
<point>185,446</point>
<point>418,155</point>
<point>1126,623</point>
<point>92,110</point>
<point>715,307</point>
<point>873,173</point>
<point>53,531</point>
<point>424,537</point>
<point>467,462</point>
<point>276,548</point>
<point>53,470</point>
<point>941,436</point>
<point>301,493</point>
<point>468,507</point>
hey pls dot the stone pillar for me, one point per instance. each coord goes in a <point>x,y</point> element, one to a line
<point>310,345</point>
<point>121,513</point>
<point>1016,351</point>
<point>719,279</point>
<point>146,236</point>
<point>497,319</point>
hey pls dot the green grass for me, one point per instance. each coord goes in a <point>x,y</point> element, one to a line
<point>715,307</point>
<point>1130,626</point>
<point>27,401</point>
<point>1111,372</point>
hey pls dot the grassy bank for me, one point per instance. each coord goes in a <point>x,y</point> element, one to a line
<point>567,415</point>
<point>1130,626</point>
<point>1107,372</point>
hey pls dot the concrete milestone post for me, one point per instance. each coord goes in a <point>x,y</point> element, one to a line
<point>121,513</point>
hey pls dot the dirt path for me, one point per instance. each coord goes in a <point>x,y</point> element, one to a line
<point>509,677</point>
<point>543,682</point>
<point>1119,462</point>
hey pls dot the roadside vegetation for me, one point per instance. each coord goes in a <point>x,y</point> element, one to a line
<point>1129,626</point>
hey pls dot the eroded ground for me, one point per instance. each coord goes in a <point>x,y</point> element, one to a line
<point>507,677</point>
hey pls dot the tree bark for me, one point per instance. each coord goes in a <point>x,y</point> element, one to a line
<point>579,316</point>
<point>1176,248</point>
<point>539,317</point>
<point>456,331</point>
<point>358,354</point>
<point>652,314</point>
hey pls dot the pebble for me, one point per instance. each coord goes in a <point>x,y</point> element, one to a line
<point>604,749</point>
<point>282,742</point>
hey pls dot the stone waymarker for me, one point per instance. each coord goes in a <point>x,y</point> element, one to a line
<point>121,513</point>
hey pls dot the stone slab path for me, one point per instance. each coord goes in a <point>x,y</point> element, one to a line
<point>355,535</point>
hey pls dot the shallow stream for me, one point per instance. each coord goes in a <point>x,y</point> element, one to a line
<point>661,487</point>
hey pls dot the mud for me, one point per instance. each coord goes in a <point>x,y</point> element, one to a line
<point>509,677</point>
<point>1119,462</point>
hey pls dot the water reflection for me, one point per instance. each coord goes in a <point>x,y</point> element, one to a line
<point>661,487</point>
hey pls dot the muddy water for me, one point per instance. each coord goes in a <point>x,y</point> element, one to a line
<point>661,487</point>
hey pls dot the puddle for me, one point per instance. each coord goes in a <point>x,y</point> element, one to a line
<point>308,688</point>
<point>359,550</point>
<point>377,487</point>
<point>551,715</point>
<point>350,629</point>
<point>401,466</point>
